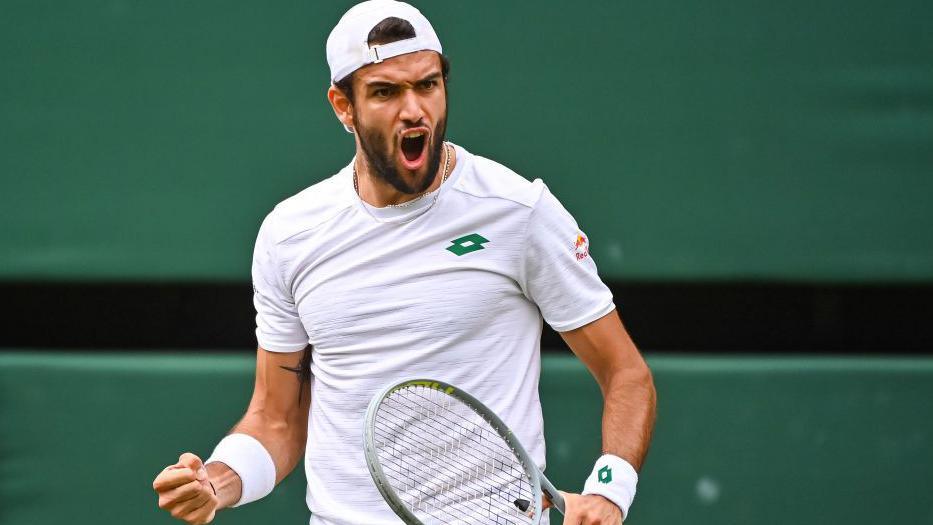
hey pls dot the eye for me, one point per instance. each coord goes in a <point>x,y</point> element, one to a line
<point>383,92</point>
<point>428,85</point>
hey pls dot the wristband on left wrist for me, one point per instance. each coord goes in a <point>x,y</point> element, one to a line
<point>614,479</point>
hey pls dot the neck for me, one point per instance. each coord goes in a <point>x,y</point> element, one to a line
<point>376,192</point>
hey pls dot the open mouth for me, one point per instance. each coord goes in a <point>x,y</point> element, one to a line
<point>413,148</point>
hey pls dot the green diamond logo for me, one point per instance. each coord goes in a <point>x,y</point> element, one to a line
<point>605,475</point>
<point>466,244</point>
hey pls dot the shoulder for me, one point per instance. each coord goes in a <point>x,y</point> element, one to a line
<point>487,179</point>
<point>310,208</point>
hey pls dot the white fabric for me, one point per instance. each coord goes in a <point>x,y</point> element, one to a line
<point>251,461</point>
<point>381,302</point>
<point>347,48</point>
<point>614,479</point>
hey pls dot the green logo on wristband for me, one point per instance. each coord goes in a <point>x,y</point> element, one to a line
<point>605,475</point>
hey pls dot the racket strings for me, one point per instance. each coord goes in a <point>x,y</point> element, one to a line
<point>447,463</point>
<point>483,435</point>
<point>480,429</point>
<point>471,466</point>
<point>443,498</point>
<point>477,428</point>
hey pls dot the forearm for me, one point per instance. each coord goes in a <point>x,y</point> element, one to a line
<point>624,378</point>
<point>277,415</point>
<point>629,404</point>
<point>629,401</point>
<point>276,420</point>
<point>284,440</point>
<point>283,437</point>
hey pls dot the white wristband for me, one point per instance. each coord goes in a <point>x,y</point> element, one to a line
<point>614,479</point>
<point>251,461</point>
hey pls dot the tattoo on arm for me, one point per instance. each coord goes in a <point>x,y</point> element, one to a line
<point>303,370</point>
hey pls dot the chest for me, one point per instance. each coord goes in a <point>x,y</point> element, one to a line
<point>359,284</point>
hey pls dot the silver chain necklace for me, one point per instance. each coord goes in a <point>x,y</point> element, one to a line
<point>437,193</point>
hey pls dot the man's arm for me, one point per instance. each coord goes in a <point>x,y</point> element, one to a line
<point>629,398</point>
<point>277,416</point>
<point>629,401</point>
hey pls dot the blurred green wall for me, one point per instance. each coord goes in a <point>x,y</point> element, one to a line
<point>757,440</point>
<point>145,140</point>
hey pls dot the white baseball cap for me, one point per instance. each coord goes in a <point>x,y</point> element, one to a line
<point>347,47</point>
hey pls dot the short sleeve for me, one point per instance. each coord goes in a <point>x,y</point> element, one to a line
<point>558,273</point>
<point>278,327</point>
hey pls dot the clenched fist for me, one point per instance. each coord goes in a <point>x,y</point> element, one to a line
<point>185,491</point>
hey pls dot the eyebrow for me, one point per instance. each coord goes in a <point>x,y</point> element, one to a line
<point>387,84</point>
<point>432,76</point>
<point>380,84</point>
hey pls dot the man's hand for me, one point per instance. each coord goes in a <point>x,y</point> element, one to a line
<point>588,510</point>
<point>185,491</point>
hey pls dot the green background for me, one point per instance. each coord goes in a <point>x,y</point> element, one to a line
<point>757,440</point>
<point>793,140</point>
<point>145,140</point>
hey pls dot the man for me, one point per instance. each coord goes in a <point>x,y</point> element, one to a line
<point>417,259</point>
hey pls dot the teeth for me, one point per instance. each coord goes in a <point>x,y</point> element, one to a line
<point>414,135</point>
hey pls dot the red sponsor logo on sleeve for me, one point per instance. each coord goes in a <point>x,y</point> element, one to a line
<point>581,247</point>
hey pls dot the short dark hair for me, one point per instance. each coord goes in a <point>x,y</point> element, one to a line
<point>390,30</point>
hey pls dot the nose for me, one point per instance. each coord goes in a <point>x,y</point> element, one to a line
<point>411,110</point>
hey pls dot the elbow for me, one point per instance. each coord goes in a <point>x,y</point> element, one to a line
<point>634,373</point>
<point>631,379</point>
<point>643,377</point>
<point>646,380</point>
<point>290,427</point>
<point>294,428</point>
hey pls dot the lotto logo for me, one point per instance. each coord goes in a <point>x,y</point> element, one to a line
<point>605,475</point>
<point>466,244</point>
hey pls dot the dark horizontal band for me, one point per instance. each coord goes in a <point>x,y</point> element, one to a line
<point>675,317</point>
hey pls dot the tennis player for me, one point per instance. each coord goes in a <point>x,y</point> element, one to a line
<point>419,258</point>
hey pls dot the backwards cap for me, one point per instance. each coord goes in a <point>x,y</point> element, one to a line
<point>347,47</point>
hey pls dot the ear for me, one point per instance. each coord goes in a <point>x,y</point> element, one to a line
<point>342,107</point>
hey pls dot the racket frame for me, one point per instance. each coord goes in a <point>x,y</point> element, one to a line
<point>539,482</point>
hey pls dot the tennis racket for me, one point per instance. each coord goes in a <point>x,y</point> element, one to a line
<point>439,456</point>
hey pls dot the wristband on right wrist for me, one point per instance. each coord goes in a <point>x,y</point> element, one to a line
<point>614,479</point>
<point>246,456</point>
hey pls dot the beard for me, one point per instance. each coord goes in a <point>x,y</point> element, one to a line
<point>383,164</point>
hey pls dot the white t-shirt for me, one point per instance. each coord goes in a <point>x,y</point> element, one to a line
<point>453,290</point>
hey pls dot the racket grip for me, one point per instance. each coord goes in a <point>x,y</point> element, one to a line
<point>557,500</point>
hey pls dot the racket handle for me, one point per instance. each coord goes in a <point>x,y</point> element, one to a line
<point>557,500</point>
